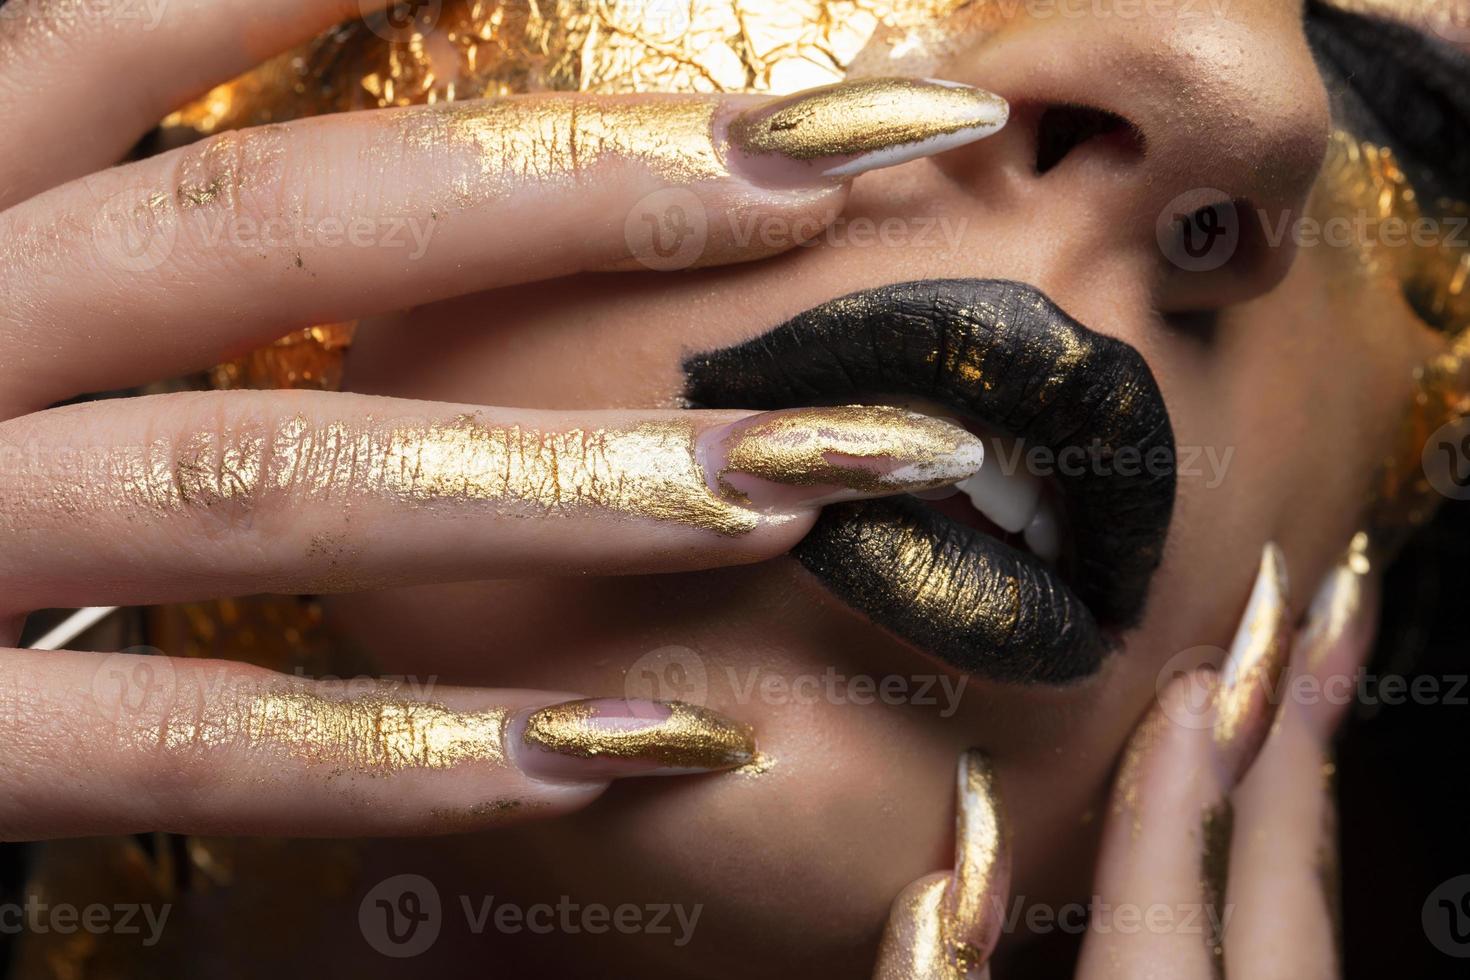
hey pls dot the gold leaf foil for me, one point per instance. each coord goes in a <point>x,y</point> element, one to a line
<point>1430,267</point>
<point>486,48</point>
<point>1363,181</point>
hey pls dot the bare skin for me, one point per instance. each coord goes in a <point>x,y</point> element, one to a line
<point>1280,404</point>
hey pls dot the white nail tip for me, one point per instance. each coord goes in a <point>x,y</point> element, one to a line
<point>903,153</point>
<point>969,458</point>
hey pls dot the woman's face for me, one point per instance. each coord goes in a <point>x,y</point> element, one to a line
<point>1283,370</point>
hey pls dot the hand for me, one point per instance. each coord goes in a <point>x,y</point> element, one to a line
<point>116,277</point>
<point>1219,846</point>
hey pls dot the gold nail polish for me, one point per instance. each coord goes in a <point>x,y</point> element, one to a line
<point>980,859</point>
<point>856,126</point>
<point>669,735</point>
<point>944,926</point>
<point>1251,676</point>
<point>870,450</point>
<point>1336,603</point>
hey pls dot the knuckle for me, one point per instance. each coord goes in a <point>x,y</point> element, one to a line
<point>189,722</point>
<point>219,467</point>
<point>231,192</point>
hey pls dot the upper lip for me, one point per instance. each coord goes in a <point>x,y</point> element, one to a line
<point>1005,355</point>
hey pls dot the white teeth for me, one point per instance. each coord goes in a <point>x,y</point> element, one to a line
<point>1044,534</point>
<point>1010,500</point>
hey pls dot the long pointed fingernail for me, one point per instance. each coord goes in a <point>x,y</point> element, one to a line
<point>806,457</point>
<point>607,738</point>
<point>982,863</point>
<point>1330,652</point>
<point>944,926</point>
<point>1250,679</point>
<point>849,128</point>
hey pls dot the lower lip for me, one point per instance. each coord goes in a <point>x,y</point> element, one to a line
<point>954,591</point>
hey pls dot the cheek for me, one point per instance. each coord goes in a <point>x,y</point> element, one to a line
<point>860,735</point>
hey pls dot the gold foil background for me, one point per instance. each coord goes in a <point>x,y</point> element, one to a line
<point>481,48</point>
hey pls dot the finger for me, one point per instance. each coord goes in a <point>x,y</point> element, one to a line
<point>945,925</point>
<point>1160,901</point>
<point>58,56</point>
<point>121,743</point>
<point>1283,880</point>
<point>175,262</point>
<point>176,497</point>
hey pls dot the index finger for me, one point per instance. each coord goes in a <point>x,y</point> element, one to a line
<point>173,263</point>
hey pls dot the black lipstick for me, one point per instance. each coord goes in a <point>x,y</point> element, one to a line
<point>1004,355</point>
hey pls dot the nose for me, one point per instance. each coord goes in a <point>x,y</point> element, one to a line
<point>1186,133</point>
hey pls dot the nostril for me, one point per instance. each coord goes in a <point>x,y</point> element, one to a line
<point>1063,128</point>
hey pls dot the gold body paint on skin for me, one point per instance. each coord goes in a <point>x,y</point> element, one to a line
<point>1216,827</point>
<point>645,470</point>
<point>374,734</point>
<point>512,141</point>
<point>651,469</point>
<point>690,737</point>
